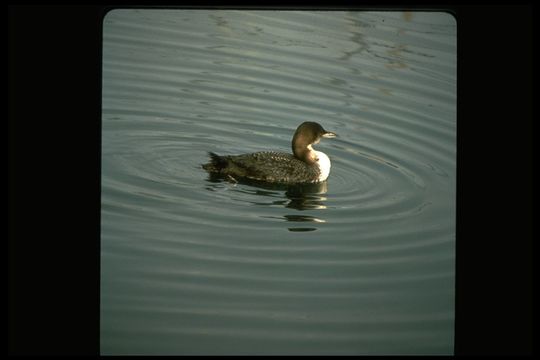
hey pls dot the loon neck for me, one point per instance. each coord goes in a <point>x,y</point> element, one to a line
<point>306,154</point>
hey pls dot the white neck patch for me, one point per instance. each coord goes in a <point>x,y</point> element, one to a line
<point>324,165</point>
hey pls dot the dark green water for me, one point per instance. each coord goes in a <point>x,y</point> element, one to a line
<point>364,264</point>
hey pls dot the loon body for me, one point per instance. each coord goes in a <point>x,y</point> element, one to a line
<point>304,165</point>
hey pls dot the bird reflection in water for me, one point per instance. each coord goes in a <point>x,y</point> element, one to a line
<point>299,197</point>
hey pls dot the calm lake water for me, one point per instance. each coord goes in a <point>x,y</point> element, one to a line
<point>363,264</point>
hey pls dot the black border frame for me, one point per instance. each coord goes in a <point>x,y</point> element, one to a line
<point>54,150</point>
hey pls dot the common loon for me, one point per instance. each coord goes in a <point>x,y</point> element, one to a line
<point>305,165</point>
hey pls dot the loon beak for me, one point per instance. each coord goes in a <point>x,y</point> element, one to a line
<point>329,134</point>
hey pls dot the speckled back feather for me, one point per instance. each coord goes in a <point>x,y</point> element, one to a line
<point>267,166</point>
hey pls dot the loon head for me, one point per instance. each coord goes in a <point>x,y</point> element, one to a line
<point>306,135</point>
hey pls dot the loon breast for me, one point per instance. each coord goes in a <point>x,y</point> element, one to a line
<point>324,165</point>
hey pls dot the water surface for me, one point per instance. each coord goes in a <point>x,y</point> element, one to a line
<point>362,264</point>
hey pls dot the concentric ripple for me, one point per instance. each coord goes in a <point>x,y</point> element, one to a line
<point>360,264</point>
